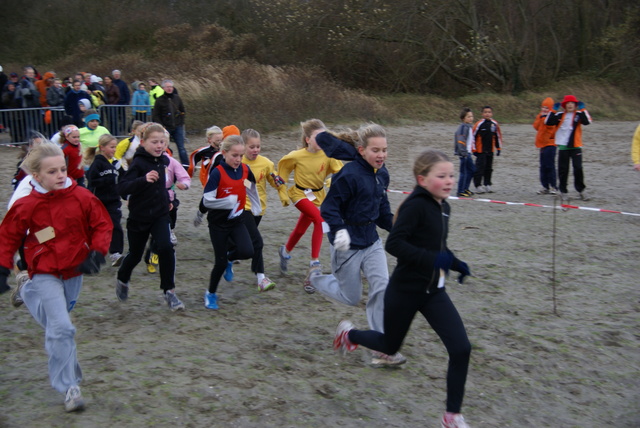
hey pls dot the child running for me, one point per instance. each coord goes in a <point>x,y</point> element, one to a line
<point>206,154</point>
<point>354,207</point>
<point>144,185</point>
<point>224,197</point>
<point>68,234</point>
<point>73,153</point>
<point>263,171</point>
<point>419,240</point>
<point>310,168</point>
<point>102,179</point>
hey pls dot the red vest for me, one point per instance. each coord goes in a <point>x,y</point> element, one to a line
<point>229,186</point>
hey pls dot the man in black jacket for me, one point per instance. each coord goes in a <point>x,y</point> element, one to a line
<point>169,111</point>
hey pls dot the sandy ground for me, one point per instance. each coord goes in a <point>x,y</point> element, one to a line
<point>265,360</point>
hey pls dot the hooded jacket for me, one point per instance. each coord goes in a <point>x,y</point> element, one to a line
<point>546,133</point>
<point>43,85</point>
<point>169,111</point>
<point>147,201</point>
<point>79,221</point>
<point>418,235</point>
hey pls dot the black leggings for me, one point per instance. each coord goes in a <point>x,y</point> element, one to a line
<point>437,308</point>
<point>138,234</point>
<point>220,235</point>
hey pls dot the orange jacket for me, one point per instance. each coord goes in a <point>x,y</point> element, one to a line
<point>546,133</point>
<point>42,86</point>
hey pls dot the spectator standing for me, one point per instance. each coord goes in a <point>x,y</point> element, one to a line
<point>124,100</point>
<point>139,100</point>
<point>169,111</point>
<point>155,91</point>
<point>43,85</point>
<point>71,101</point>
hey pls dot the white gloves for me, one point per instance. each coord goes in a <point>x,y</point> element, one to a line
<point>197,220</point>
<point>342,240</point>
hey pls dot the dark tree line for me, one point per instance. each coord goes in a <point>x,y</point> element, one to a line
<point>440,46</point>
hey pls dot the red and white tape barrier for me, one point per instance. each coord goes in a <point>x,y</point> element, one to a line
<point>527,204</point>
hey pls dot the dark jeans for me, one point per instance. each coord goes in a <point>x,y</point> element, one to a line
<point>138,234</point>
<point>467,168</point>
<point>437,308</point>
<point>548,167</point>
<point>177,135</point>
<point>484,169</point>
<point>575,157</point>
<point>220,235</point>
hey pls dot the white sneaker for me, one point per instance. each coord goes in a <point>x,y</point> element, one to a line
<point>378,359</point>
<point>488,189</point>
<point>584,196</point>
<point>116,259</point>
<point>266,284</point>
<point>73,401</point>
<point>480,190</point>
<point>173,238</point>
<point>453,420</point>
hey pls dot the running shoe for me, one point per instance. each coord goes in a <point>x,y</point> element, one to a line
<point>21,279</point>
<point>480,190</point>
<point>210,300</point>
<point>228,272</point>
<point>173,238</point>
<point>116,259</point>
<point>266,284</point>
<point>172,301</point>
<point>122,290</point>
<point>341,342</point>
<point>284,259</point>
<point>453,420</point>
<point>378,359</point>
<point>488,189</point>
<point>314,269</point>
<point>73,400</point>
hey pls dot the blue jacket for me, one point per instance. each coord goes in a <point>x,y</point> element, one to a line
<point>140,98</point>
<point>357,200</point>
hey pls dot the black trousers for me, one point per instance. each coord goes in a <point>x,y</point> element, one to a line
<point>220,235</point>
<point>117,236</point>
<point>484,169</point>
<point>138,234</point>
<point>575,157</point>
<point>399,310</point>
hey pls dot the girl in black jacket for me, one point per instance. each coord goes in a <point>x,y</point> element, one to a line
<point>103,177</point>
<point>419,241</point>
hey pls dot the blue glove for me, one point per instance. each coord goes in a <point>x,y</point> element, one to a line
<point>464,271</point>
<point>92,263</point>
<point>557,106</point>
<point>444,259</point>
<point>499,151</point>
<point>580,106</point>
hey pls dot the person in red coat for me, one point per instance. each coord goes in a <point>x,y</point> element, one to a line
<point>66,232</point>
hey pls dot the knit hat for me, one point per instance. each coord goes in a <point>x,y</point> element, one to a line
<point>547,102</point>
<point>230,130</point>
<point>91,117</point>
<point>85,102</point>
<point>569,99</point>
<point>13,75</point>
<point>94,78</point>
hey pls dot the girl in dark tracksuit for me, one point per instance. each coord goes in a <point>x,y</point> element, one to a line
<point>224,197</point>
<point>102,179</point>
<point>144,185</point>
<point>419,241</point>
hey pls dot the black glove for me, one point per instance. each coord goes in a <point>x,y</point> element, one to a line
<point>464,271</point>
<point>444,259</point>
<point>4,274</point>
<point>92,263</point>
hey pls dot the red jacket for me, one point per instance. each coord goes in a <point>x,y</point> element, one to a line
<point>73,157</point>
<point>79,221</point>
